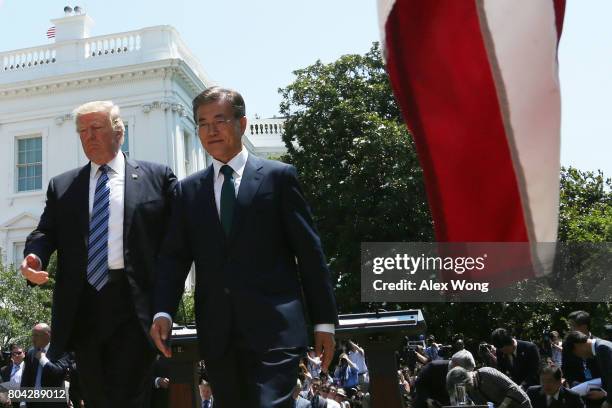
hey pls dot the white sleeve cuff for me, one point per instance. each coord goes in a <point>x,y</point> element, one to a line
<point>325,328</point>
<point>43,361</point>
<point>163,314</point>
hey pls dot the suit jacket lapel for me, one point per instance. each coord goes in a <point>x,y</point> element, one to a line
<point>82,202</point>
<point>132,190</point>
<point>249,184</point>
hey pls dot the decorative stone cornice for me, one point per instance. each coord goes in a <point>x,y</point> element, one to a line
<point>59,120</point>
<point>174,68</point>
<point>179,108</point>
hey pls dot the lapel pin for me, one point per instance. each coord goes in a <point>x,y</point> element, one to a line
<point>134,176</point>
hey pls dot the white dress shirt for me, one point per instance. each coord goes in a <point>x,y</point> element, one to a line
<point>238,163</point>
<point>16,372</point>
<point>116,181</point>
<point>359,360</point>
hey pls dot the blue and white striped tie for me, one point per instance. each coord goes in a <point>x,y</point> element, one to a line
<point>97,251</point>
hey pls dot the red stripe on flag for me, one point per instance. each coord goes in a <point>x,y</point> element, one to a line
<point>51,32</point>
<point>559,15</point>
<point>441,75</point>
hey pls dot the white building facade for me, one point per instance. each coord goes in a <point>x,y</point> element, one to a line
<point>152,76</point>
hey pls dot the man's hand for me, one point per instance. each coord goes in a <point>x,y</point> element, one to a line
<point>324,348</point>
<point>39,354</point>
<point>160,332</point>
<point>596,394</point>
<point>30,269</point>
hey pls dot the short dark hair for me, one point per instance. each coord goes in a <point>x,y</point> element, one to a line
<point>216,93</point>
<point>14,346</point>
<point>553,370</point>
<point>500,338</point>
<point>573,338</point>
<point>581,318</point>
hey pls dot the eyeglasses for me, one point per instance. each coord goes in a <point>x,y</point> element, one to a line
<point>217,123</point>
<point>17,353</point>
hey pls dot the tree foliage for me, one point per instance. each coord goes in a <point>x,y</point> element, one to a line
<point>360,173</point>
<point>586,206</point>
<point>356,161</point>
<point>21,307</point>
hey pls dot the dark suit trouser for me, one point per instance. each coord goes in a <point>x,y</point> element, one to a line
<point>245,378</point>
<point>113,357</point>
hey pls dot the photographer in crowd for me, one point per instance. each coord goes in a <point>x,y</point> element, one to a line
<point>486,385</point>
<point>518,359</point>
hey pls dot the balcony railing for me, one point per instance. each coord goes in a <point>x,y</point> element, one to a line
<point>27,58</point>
<point>107,51</point>
<point>266,127</point>
<point>112,45</point>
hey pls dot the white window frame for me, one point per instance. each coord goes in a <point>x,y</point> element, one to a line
<point>43,133</point>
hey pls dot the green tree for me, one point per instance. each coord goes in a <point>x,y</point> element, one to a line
<point>356,160</point>
<point>21,307</point>
<point>586,206</point>
<point>186,310</point>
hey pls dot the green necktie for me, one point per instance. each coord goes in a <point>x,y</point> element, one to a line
<point>228,199</point>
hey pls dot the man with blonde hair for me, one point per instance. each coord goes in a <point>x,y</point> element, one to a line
<point>106,220</point>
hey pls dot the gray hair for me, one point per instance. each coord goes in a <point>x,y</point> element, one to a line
<point>42,326</point>
<point>101,106</point>
<point>458,376</point>
<point>462,358</point>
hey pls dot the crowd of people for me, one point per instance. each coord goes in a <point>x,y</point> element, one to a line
<point>507,372</point>
<point>511,372</point>
<point>573,372</point>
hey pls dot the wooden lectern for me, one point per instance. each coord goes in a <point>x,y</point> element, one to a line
<point>381,334</point>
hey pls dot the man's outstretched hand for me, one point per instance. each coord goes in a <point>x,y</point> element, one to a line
<point>160,332</point>
<point>325,346</point>
<point>31,270</point>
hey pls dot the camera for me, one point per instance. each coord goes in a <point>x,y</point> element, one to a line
<point>484,347</point>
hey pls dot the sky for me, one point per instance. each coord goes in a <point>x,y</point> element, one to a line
<point>254,46</point>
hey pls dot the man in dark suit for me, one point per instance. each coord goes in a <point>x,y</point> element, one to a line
<point>13,371</point>
<point>431,381</point>
<point>584,347</point>
<point>575,369</point>
<point>39,371</point>
<point>431,384</point>
<point>551,394</point>
<point>206,395</point>
<point>106,220</point>
<point>246,224</point>
<point>519,360</point>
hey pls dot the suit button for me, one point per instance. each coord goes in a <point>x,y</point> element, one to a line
<point>226,290</point>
